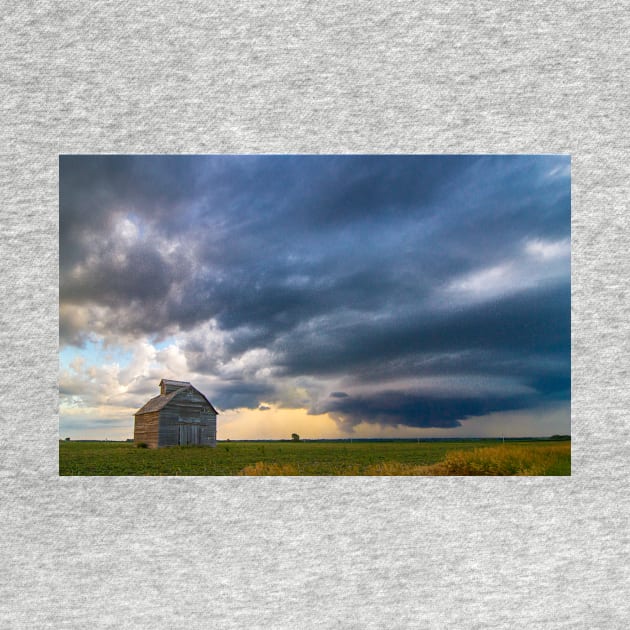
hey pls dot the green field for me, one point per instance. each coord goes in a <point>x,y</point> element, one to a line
<point>474,457</point>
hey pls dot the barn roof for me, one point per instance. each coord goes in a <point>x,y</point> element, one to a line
<point>155,404</point>
<point>159,402</point>
<point>167,381</point>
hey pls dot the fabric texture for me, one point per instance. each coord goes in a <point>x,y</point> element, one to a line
<point>328,77</point>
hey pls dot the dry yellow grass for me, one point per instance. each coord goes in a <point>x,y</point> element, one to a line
<point>508,459</point>
<point>497,460</point>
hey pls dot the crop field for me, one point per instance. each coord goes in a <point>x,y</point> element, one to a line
<point>466,457</point>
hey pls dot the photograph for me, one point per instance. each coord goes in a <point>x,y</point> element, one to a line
<point>315,315</point>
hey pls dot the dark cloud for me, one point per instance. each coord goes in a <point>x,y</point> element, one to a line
<point>529,322</point>
<point>340,266</point>
<point>240,394</point>
<point>417,409</point>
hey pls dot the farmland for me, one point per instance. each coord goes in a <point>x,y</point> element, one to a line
<point>465,457</point>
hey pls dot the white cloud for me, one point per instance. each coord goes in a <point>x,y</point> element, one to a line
<point>125,231</point>
<point>539,262</point>
<point>488,282</point>
<point>143,357</point>
<point>548,250</point>
<point>561,170</point>
<point>251,363</point>
<point>173,359</point>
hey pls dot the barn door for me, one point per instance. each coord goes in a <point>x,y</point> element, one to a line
<point>194,434</point>
<point>189,434</point>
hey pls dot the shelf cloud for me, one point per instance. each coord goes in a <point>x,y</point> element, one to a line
<point>316,282</point>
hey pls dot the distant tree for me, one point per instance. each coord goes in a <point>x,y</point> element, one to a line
<point>67,439</point>
<point>295,437</point>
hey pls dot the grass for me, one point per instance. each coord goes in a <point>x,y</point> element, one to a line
<point>485,457</point>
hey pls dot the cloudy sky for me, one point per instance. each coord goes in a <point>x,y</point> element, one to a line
<point>366,296</point>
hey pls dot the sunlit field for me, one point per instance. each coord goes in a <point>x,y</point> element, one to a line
<point>466,457</point>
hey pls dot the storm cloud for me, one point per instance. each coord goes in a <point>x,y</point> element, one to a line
<point>373,288</point>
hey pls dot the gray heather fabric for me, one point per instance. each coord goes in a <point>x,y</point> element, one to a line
<point>304,552</point>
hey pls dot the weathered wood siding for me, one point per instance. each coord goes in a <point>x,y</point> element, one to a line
<point>187,409</point>
<point>146,429</point>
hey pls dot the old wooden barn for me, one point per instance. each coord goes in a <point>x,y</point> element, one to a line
<point>180,415</point>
